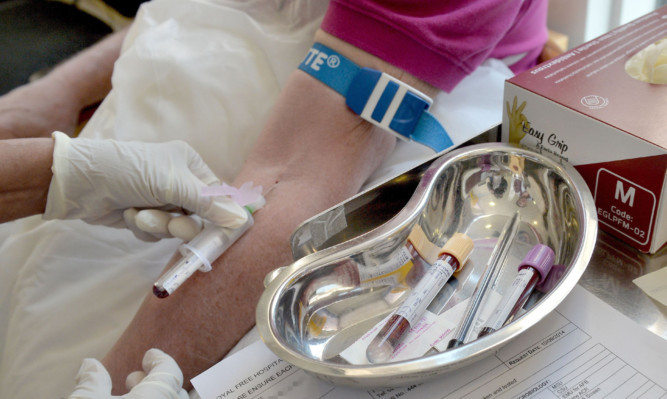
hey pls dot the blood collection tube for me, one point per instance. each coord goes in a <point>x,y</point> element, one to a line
<point>452,257</point>
<point>201,252</point>
<point>421,250</point>
<point>198,254</point>
<point>533,269</point>
<point>405,263</point>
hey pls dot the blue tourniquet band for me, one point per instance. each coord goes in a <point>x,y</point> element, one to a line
<point>378,97</point>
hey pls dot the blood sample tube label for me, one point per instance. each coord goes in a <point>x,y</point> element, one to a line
<point>425,291</point>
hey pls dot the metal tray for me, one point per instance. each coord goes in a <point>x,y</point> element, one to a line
<point>314,308</point>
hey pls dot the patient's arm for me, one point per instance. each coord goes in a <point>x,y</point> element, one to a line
<point>55,101</point>
<point>25,174</point>
<point>313,153</point>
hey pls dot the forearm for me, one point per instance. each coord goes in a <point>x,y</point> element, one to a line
<point>25,175</point>
<point>86,77</point>
<point>313,153</point>
<point>55,101</point>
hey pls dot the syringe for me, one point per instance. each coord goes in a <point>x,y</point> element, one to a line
<point>201,251</point>
<point>452,257</point>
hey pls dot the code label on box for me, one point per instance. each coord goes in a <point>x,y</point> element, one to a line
<point>624,206</point>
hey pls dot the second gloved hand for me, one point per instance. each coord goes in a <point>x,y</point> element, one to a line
<point>97,180</point>
<point>161,379</point>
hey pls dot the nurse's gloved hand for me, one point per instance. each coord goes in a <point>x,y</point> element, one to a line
<point>97,180</point>
<point>154,224</point>
<point>161,379</point>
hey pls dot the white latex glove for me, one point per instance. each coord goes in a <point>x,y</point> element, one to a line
<point>97,180</point>
<point>161,379</point>
<point>153,224</point>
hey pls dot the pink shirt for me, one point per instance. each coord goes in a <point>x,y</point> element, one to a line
<point>442,41</point>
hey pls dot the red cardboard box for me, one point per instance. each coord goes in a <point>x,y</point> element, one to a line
<point>584,108</point>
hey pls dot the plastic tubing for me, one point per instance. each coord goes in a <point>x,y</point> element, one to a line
<point>533,269</point>
<point>451,258</point>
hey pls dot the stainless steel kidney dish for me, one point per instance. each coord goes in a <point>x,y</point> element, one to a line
<point>316,307</point>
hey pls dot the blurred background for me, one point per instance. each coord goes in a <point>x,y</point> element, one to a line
<point>37,34</point>
<point>583,20</point>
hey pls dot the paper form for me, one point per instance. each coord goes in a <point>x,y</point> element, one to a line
<point>583,349</point>
<point>654,285</point>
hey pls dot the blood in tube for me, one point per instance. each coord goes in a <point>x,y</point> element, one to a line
<point>452,257</point>
<point>533,269</point>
